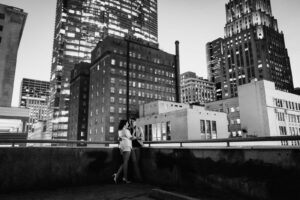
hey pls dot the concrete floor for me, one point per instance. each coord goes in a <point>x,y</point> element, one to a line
<point>132,191</point>
<point>101,192</point>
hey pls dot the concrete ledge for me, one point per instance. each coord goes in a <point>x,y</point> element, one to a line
<point>257,173</point>
<point>24,169</point>
<point>165,195</point>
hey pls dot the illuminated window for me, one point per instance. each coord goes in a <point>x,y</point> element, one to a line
<point>111,129</point>
<point>113,61</point>
<point>113,80</point>
<point>112,90</point>
<point>71,34</point>
<point>112,109</point>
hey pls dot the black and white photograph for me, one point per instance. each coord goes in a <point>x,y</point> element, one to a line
<point>149,99</point>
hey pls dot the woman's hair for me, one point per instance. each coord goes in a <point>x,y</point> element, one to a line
<point>122,124</point>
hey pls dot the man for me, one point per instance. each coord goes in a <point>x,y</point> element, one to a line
<point>138,133</point>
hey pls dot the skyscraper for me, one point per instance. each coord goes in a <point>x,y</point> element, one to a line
<point>214,51</point>
<point>253,48</point>
<point>12,22</point>
<point>79,26</point>
<point>33,95</point>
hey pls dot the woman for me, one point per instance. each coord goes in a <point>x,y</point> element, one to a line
<point>125,148</point>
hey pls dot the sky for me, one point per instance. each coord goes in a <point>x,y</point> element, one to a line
<point>192,22</point>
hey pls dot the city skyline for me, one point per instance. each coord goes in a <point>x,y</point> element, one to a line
<point>79,26</point>
<point>192,46</point>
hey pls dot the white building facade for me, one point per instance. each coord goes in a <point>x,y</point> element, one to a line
<point>266,111</point>
<point>163,121</point>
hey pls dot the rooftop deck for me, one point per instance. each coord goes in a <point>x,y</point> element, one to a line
<point>103,192</point>
<point>204,172</point>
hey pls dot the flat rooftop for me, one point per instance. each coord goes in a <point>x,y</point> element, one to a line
<point>133,191</point>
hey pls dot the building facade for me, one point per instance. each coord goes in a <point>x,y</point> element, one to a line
<point>253,48</point>
<point>79,102</point>
<point>266,111</point>
<point>13,120</point>
<point>196,90</point>
<point>163,121</point>
<point>79,26</point>
<point>33,95</point>
<point>232,109</point>
<point>39,133</point>
<point>261,110</point>
<point>125,74</point>
<point>12,22</point>
<point>214,51</point>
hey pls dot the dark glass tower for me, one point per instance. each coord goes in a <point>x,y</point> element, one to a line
<point>79,26</point>
<point>253,48</point>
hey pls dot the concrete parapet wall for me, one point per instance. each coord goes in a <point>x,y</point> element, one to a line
<point>39,168</point>
<point>260,173</point>
<point>257,173</point>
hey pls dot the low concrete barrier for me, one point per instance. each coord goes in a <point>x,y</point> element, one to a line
<point>260,173</point>
<point>40,168</point>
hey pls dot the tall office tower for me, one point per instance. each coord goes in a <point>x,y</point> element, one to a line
<point>125,74</point>
<point>253,48</point>
<point>33,95</point>
<point>12,22</point>
<point>79,26</point>
<point>196,90</point>
<point>214,51</point>
<point>79,102</point>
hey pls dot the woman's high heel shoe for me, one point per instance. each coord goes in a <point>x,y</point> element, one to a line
<point>115,178</point>
<point>126,181</point>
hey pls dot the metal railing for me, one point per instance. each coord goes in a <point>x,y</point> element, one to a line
<point>229,141</point>
<point>281,141</point>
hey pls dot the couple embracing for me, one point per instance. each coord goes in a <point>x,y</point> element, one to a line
<point>131,138</point>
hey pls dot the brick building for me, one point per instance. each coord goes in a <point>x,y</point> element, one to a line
<point>124,74</point>
<point>79,102</point>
